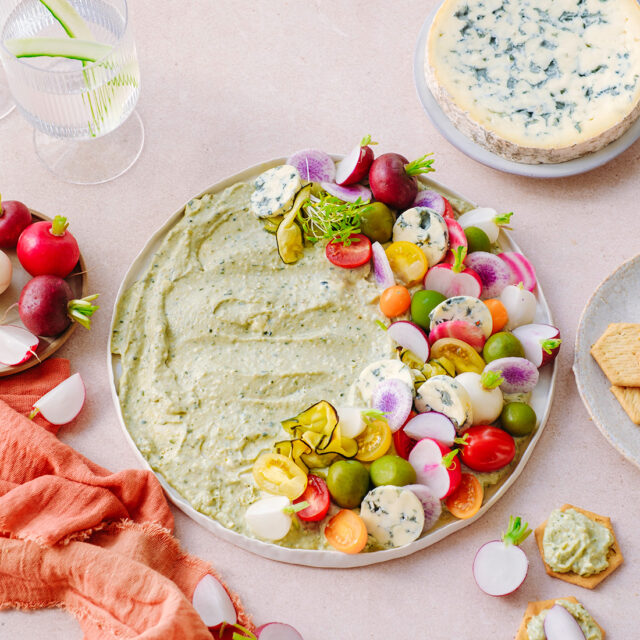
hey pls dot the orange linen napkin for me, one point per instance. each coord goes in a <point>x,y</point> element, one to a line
<point>77,536</point>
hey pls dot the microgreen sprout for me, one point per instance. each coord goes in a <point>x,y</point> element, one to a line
<point>329,218</point>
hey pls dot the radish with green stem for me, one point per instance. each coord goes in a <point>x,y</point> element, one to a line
<point>486,397</point>
<point>270,518</point>
<point>63,403</point>
<point>520,305</point>
<point>355,165</point>
<point>436,467</point>
<point>17,345</point>
<point>487,219</point>
<point>559,624</point>
<point>519,374</point>
<point>313,165</point>
<point>501,566</point>
<point>454,279</point>
<point>541,342</point>
<point>15,217</point>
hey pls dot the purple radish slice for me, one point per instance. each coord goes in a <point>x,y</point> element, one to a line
<point>521,269</point>
<point>431,505</point>
<point>461,330</point>
<point>17,345</point>
<point>352,193</point>
<point>381,268</point>
<point>559,624</point>
<point>430,199</point>
<point>395,399</point>
<point>355,165</point>
<point>541,342</point>
<point>501,566</point>
<point>520,375</point>
<point>277,631</point>
<point>213,603</point>
<point>432,425</point>
<point>63,403</point>
<point>313,165</point>
<point>411,337</point>
<point>493,272</point>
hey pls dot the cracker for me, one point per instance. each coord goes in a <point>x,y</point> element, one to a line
<point>614,556</point>
<point>617,351</point>
<point>534,608</point>
<point>629,399</point>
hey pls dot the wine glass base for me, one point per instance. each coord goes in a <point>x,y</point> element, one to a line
<point>92,161</point>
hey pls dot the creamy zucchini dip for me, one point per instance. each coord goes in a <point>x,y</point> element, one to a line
<point>535,626</point>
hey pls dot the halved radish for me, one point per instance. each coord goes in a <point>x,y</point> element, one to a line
<point>492,271</point>
<point>520,375</point>
<point>520,305</point>
<point>487,219</point>
<point>559,624</point>
<point>431,505</point>
<point>430,199</point>
<point>212,602</point>
<point>355,165</point>
<point>277,631</point>
<point>411,337</point>
<point>436,467</point>
<point>541,342</point>
<point>395,399</point>
<point>351,421</point>
<point>63,403</point>
<point>486,397</point>
<point>453,279</point>
<point>313,165</point>
<point>432,425</point>
<point>17,345</point>
<point>382,271</point>
<point>269,518</point>
<point>352,193</point>
<point>500,566</point>
<point>521,269</point>
<point>461,330</point>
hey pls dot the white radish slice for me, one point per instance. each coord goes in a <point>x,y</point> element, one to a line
<point>559,624</point>
<point>486,219</point>
<point>499,568</point>
<point>426,459</point>
<point>520,375</point>
<point>64,402</point>
<point>313,165</point>
<point>431,505</point>
<point>494,274</point>
<point>461,330</point>
<point>352,193</point>
<point>411,337</point>
<point>520,305</point>
<point>534,338</point>
<point>443,279</point>
<point>430,199</point>
<point>277,631</point>
<point>521,269</point>
<point>350,421</point>
<point>395,399</point>
<point>17,345</point>
<point>213,603</point>
<point>267,519</point>
<point>382,270</point>
<point>431,425</point>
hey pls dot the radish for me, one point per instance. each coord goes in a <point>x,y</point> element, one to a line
<point>493,272</point>
<point>17,345</point>
<point>520,305</point>
<point>354,193</point>
<point>63,403</point>
<point>431,505</point>
<point>454,279</point>
<point>411,337</point>
<point>350,421</point>
<point>212,602</point>
<point>457,238</point>
<point>270,518</point>
<point>47,307</point>
<point>15,217</point>
<point>382,271</point>
<point>391,178</point>
<point>559,624</point>
<point>277,631</point>
<point>430,199</point>
<point>486,219</point>
<point>486,397</point>
<point>501,566</point>
<point>541,342</point>
<point>395,399</point>
<point>354,166</point>
<point>521,269</point>
<point>432,425</point>
<point>313,165</point>
<point>520,375</point>
<point>47,248</point>
<point>436,467</point>
<point>461,330</point>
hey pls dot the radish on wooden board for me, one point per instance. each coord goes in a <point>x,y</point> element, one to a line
<point>520,305</point>
<point>63,403</point>
<point>486,397</point>
<point>395,399</point>
<point>487,219</point>
<point>454,279</point>
<point>313,165</point>
<point>391,178</point>
<point>212,602</point>
<point>519,374</point>
<point>355,193</point>
<point>410,336</point>
<point>430,199</point>
<point>521,269</point>
<point>492,272</point>
<point>461,330</point>
<point>559,624</point>
<point>436,467</point>
<point>355,165</point>
<point>15,217</point>
<point>382,271</point>
<point>541,342</point>
<point>17,345</point>
<point>432,425</point>
<point>431,505</point>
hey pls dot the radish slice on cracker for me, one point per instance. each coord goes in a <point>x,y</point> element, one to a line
<point>559,624</point>
<point>17,345</point>
<point>63,403</point>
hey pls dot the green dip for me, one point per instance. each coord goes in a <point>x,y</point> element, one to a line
<point>535,628</point>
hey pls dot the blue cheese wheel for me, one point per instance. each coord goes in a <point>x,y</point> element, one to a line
<point>425,228</point>
<point>445,395</point>
<point>275,191</point>
<point>393,516</point>
<point>378,371</point>
<point>467,308</point>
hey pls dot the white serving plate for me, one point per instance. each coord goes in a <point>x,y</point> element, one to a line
<point>615,300</point>
<point>479,153</point>
<point>541,401</point>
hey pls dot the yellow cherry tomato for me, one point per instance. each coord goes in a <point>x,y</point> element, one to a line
<point>395,300</point>
<point>408,262</point>
<point>278,474</point>
<point>464,357</point>
<point>374,441</point>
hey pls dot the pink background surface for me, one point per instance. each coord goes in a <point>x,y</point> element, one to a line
<point>227,84</point>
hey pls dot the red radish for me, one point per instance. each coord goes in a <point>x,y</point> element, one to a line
<point>431,505</point>
<point>455,279</point>
<point>541,342</point>
<point>391,178</point>
<point>461,330</point>
<point>277,631</point>
<point>501,566</point>
<point>436,467</point>
<point>411,337</point>
<point>432,425</point>
<point>493,272</point>
<point>486,219</point>
<point>520,305</point>
<point>352,253</point>
<point>395,399</point>
<point>63,403</point>
<point>353,193</point>
<point>521,269</point>
<point>559,624</point>
<point>47,307</point>
<point>15,217</point>
<point>17,345</point>
<point>430,199</point>
<point>47,248</point>
<point>381,268</point>
<point>520,375</point>
<point>456,236</point>
<point>316,495</point>
<point>354,166</point>
<point>212,602</point>
<point>313,165</point>
<point>448,210</point>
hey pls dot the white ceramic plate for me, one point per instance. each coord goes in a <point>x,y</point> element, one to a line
<point>541,401</point>
<point>615,300</point>
<point>475,151</point>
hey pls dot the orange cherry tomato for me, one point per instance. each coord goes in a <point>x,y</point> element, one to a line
<point>394,301</point>
<point>466,500</point>
<point>499,314</point>
<point>346,532</point>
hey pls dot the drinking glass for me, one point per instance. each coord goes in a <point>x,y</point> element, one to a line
<point>6,101</point>
<point>85,128</point>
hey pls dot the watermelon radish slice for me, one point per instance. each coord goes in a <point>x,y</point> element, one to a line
<point>313,165</point>
<point>411,337</point>
<point>395,399</point>
<point>355,165</point>
<point>541,342</point>
<point>213,603</point>
<point>63,403</point>
<point>431,505</point>
<point>521,269</point>
<point>520,375</point>
<point>432,425</point>
<point>461,330</point>
<point>382,271</point>
<point>17,345</point>
<point>353,193</point>
<point>559,624</point>
<point>493,272</point>
<point>436,467</point>
<point>430,199</point>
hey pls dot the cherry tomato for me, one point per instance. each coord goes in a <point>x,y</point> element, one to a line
<point>402,443</point>
<point>488,448</point>
<point>464,357</point>
<point>278,474</point>
<point>394,301</point>
<point>346,532</point>
<point>357,253</point>
<point>466,500</point>
<point>448,210</point>
<point>499,314</point>
<point>408,262</point>
<point>317,495</point>
<point>374,441</point>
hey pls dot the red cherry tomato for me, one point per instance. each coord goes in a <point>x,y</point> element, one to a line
<point>349,257</point>
<point>402,442</point>
<point>317,495</point>
<point>487,448</point>
<point>448,210</point>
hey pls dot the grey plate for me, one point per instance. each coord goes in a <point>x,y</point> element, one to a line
<point>475,151</point>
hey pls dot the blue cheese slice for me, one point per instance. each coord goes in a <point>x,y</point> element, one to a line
<point>537,80</point>
<point>445,395</point>
<point>275,191</point>
<point>375,373</point>
<point>393,516</point>
<point>427,229</point>
<point>467,308</point>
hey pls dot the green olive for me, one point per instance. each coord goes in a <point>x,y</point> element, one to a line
<point>477,240</point>
<point>392,470</point>
<point>518,418</point>
<point>348,483</point>
<point>502,345</point>
<point>423,303</point>
<point>376,222</point>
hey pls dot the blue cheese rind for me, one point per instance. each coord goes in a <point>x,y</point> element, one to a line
<point>378,371</point>
<point>275,191</point>
<point>425,228</point>
<point>445,395</point>
<point>467,308</point>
